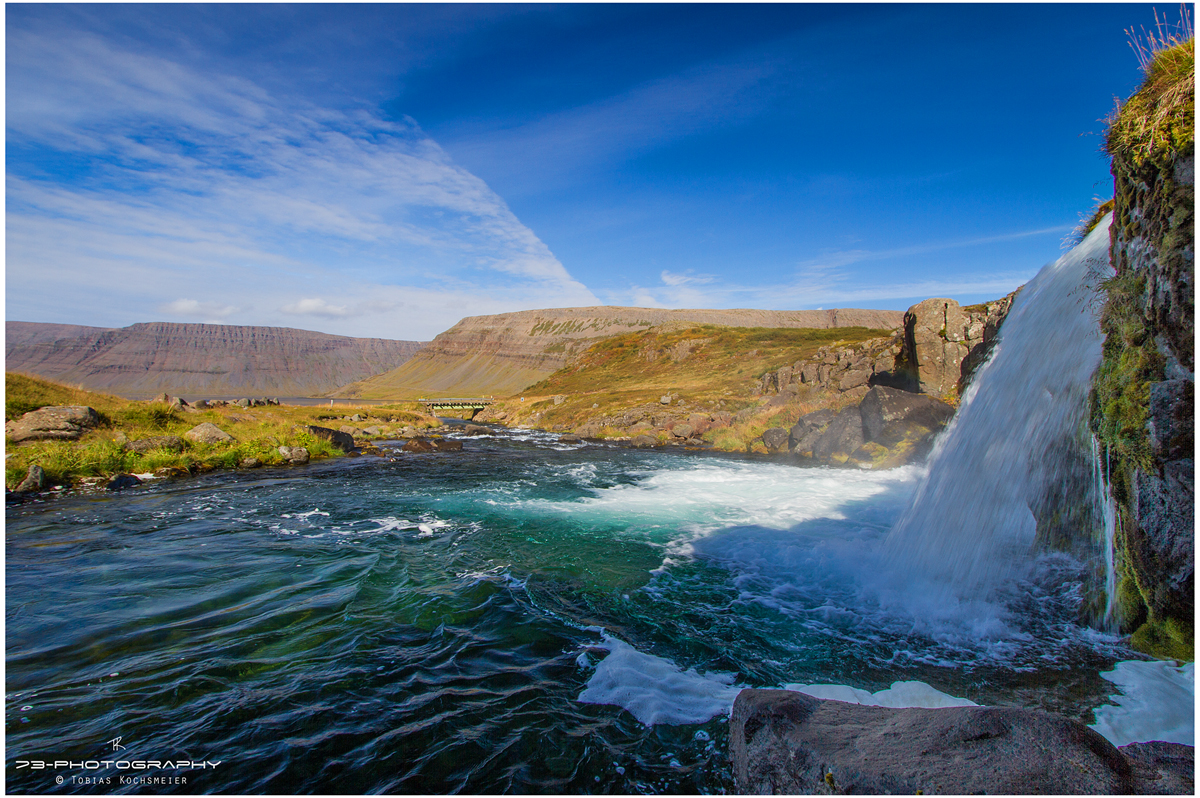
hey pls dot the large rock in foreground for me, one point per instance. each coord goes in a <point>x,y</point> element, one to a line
<point>52,423</point>
<point>787,742</point>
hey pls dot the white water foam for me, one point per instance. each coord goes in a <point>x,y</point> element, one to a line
<point>898,696</point>
<point>702,496</point>
<point>1157,701</point>
<point>656,691</point>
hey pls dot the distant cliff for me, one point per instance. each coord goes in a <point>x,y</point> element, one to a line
<point>502,354</point>
<point>198,359</point>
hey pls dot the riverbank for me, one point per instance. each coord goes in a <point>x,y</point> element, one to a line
<point>131,437</point>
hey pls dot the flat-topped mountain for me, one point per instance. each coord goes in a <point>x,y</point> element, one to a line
<point>503,353</point>
<point>198,359</point>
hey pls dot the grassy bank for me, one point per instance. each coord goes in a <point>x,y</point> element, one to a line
<point>701,368</point>
<point>258,433</point>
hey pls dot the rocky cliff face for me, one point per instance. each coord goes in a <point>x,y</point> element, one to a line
<point>937,352</point>
<point>198,359</point>
<point>502,354</point>
<point>944,343</point>
<point>1143,397</point>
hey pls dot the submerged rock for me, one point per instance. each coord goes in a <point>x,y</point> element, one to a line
<point>785,742</point>
<point>122,481</point>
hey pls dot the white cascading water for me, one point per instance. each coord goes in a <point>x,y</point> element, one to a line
<point>970,527</point>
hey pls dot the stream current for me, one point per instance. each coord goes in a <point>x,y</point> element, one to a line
<point>447,622</point>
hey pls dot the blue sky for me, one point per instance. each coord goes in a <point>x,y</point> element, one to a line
<point>384,170</point>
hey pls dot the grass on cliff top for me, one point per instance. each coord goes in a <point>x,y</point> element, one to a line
<point>706,366</point>
<point>1160,116</point>
<point>706,359</point>
<point>258,432</point>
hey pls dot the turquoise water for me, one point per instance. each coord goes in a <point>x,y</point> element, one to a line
<point>429,623</point>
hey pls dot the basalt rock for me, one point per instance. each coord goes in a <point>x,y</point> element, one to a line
<point>889,427</point>
<point>52,423</point>
<point>785,742</point>
<point>775,439</point>
<point>340,439</point>
<point>945,342</point>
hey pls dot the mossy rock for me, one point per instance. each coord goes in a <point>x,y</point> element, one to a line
<point>1165,639</point>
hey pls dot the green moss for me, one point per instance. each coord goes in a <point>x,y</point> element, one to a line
<point>1165,639</point>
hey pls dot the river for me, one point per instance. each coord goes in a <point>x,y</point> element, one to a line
<point>430,622</point>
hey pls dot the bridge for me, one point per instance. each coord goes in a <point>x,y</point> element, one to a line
<point>474,405</point>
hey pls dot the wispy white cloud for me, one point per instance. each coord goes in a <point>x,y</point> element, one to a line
<point>149,181</point>
<point>827,281</point>
<point>315,306</point>
<point>191,308</point>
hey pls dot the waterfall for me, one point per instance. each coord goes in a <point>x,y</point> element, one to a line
<point>1008,452</point>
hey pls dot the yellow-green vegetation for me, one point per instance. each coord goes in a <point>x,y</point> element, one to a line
<point>258,433</point>
<point>1158,122</point>
<point>703,367</point>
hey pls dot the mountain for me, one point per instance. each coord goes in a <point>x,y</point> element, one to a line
<point>502,354</point>
<point>198,360</point>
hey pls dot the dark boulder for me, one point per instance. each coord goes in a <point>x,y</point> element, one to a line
<point>775,439</point>
<point>786,742</point>
<point>889,415</point>
<point>340,439</point>
<point>806,431</point>
<point>418,445</point>
<point>122,481</point>
<point>643,441</point>
<point>475,429</point>
<point>445,445</point>
<point>842,437</point>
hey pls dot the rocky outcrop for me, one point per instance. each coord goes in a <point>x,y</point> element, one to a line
<point>52,423</point>
<point>198,359</point>
<point>502,354</point>
<point>889,427</point>
<point>785,742</point>
<point>1143,393</point>
<point>944,343</point>
<point>846,369</point>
